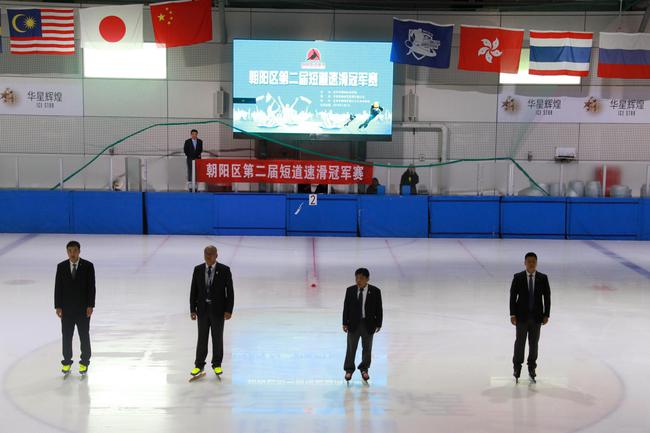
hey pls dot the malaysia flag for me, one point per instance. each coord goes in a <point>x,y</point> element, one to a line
<point>41,31</point>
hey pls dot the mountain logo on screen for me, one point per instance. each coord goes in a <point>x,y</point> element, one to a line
<point>313,60</point>
<point>313,54</point>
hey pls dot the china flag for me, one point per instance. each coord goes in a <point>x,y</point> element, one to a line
<point>180,23</point>
<point>490,49</point>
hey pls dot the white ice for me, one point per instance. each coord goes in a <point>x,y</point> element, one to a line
<point>442,362</point>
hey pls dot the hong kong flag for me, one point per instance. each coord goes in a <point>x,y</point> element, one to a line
<point>490,49</point>
<point>111,27</point>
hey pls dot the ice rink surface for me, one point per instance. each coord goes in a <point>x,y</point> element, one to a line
<point>441,363</point>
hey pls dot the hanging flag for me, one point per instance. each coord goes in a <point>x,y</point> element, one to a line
<point>624,55</point>
<point>421,43</point>
<point>560,53</point>
<point>41,31</point>
<point>108,27</point>
<point>180,23</point>
<point>490,49</point>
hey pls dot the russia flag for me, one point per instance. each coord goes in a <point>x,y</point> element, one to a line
<point>560,53</point>
<point>624,55</point>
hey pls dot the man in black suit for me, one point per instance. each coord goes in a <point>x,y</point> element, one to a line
<point>74,301</point>
<point>530,308</point>
<point>362,318</point>
<point>211,302</point>
<point>410,178</point>
<point>193,148</point>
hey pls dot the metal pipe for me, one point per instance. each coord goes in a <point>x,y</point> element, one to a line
<point>146,175</point>
<point>17,173</point>
<point>110,173</point>
<point>511,179</point>
<point>388,183</point>
<point>221,14</point>
<point>647,181</point>
<point>194,175</point>
<point>604,192</point>
<point>61,173</point>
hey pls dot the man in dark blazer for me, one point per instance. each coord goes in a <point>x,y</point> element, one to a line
<point>193,148</point>
<point>74,301</point>
<point>530,308</point>
<point>211,302</point>
<point>362,318</point>
<point>410,178</point>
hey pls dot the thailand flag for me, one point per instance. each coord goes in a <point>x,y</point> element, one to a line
<point>624,55</point>
<point>560,53</point>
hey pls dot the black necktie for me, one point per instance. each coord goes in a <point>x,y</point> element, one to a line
<point>361,302</point>
<point>531,293</point>
<point>208,284</point>
<point>74,271</point>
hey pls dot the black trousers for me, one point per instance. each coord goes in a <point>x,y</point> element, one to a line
<point>365,335</point>
<point>209,322</point>
<point>526,329</point>
<point>68,323</point>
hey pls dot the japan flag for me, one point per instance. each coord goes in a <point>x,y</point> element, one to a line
<point>110,27</point>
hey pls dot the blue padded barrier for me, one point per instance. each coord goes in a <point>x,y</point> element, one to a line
<point>604,218</point>
<point>533,217</point>
<point>333,215</point>
<point>464,216</point>
<point>393,216</point>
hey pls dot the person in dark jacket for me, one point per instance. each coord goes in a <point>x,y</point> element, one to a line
<point>192,148</point>
<point>74,302</point>
<point>411,178</point>
<point>530,308</point>
<point>362,318</point>
<point>212,299</point>
<point>372,189</point>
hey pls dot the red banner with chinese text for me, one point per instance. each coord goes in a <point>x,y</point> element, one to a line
<point>281,171</point>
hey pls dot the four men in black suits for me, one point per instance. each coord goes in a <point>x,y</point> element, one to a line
<point>74,301</point>
<point>192,148</point>
<point>362,317</point>
<point>530,308</point>
<point>212,299</point>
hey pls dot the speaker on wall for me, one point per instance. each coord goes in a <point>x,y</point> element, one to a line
<point>220,103</point>
<point>410,106</point>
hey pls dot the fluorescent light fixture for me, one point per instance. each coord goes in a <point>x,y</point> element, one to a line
<point>523,77</point>
<point>150,61</point>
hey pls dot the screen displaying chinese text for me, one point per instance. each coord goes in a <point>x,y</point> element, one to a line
<point>313,89</point>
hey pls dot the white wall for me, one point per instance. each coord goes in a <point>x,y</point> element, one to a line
<point>463,100</point>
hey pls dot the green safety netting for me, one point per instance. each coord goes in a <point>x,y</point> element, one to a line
<point>298,148</point>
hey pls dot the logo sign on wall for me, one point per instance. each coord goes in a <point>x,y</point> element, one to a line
<point>589,105</point>
<point>41,97</point>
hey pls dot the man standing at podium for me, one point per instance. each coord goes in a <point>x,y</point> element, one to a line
<point>193,148</point>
